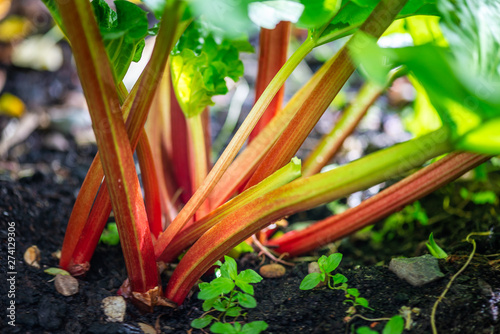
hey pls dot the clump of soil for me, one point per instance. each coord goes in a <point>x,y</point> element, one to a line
<point>40,205</point>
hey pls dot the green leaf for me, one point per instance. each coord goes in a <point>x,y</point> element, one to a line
<point>54,12</point>
<point>254,327</point>
<point>354,13</point>
<point>221,305</point>
<point>249,276</point>
<point>339,278</point>
<point>332,262</point>
<point>246,300</point>
<point>245,287</point>
<point>310,281</point>
<point>362,301</point>
<point>56,271</point>
<point>209,303</point>
<point>365,330</point>
<point>268,14</point>
<point>483,139</point>
<point>202,322</point>
<point>223,328</point>
<point>200,65</point>
<point>234,311</point>
<point>394,326</point>
<point>218,286</point>
<point>353,292</point>
<point>110,235</point>
<point>123,33</point>
<point>434,249</point>
<point>318,12</point>
<point>156,6</point>
<point>230,267</point>
<point>322,263</point>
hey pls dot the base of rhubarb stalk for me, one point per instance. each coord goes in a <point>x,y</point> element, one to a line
<point>78,269</point>
<point>145,301</point>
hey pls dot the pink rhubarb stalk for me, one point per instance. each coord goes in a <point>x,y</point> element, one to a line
<point>273,47</point>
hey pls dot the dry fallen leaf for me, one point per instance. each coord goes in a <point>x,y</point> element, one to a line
<point>66,285</point>
<point>32,256</point>
<point>147,329</point>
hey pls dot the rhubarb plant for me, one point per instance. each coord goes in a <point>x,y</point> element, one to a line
<point>208,207</point>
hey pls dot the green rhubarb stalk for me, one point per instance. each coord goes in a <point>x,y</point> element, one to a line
<point>190,234</point>
<point>299,195</point>
<point>388,201</point>
<point>322,96</point>
<point>118,164</point>
<point>245,164</point>
<point>232,149</point>
<point>331,142</point>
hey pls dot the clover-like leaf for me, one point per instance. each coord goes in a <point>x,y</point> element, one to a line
<point>394,326</point>
<point>246,300</point>
<point>254,327</point>
<point>332,262</point>
<point>310,281</point>
<point>218,286</point>
<point>202,322</point>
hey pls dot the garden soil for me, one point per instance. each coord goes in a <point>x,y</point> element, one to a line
<point>40,202</point>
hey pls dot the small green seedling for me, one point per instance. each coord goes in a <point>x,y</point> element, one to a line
<point>480,197</point>
<point>110,235</point>
<point>221,295</point>
<point>394,326</point>
<point>434,249</point>
<point>336,282</point>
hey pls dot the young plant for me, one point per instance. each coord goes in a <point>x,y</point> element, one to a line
<point>336,282</point>
<point>221,295</point>
<point>395,325</point>
<point>434,248</point>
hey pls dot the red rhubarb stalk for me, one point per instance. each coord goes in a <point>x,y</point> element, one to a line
<point>388,201</point>
<point>273,44</point>
<point>111,135</point>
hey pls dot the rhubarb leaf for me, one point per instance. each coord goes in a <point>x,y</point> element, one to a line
<point>200,65</point>
<point>318,12</point>
<point>354,13</point>
<point>123,33</point>
<point>310,281</point>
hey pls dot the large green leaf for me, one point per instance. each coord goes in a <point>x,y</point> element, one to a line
<point>123,33</point>
<point>200,65</point>
<point>318,12</point>
<point>354,12</point>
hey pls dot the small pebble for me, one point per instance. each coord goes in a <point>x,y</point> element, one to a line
<point>273,270</point>
<point>147,329</point>
<point>32,256</point>
<point>66,285</point>
<point>114,307</point>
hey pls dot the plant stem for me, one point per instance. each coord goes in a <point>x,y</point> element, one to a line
<point>99,88</point>
<point>232,149</point>
<point>331,143</point>
<point>273,44</point>
<point>390,200</point>
<point>299,195</point>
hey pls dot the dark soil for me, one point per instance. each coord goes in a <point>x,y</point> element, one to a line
<point>41,203</point>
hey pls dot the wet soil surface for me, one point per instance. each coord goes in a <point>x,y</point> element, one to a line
<point>40,204</point>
